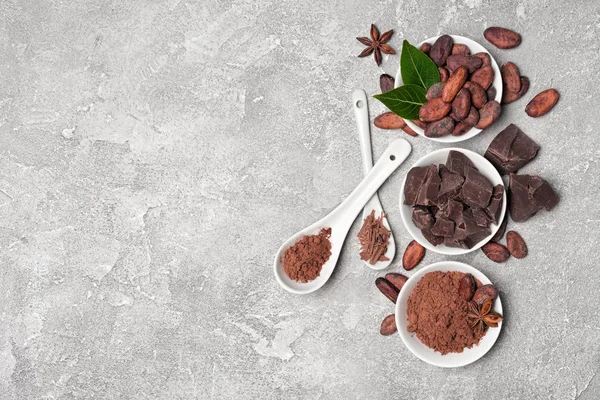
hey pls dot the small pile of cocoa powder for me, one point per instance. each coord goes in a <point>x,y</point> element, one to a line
<point>303,261</point>
<point>438,314</point>
<point>374,238</point>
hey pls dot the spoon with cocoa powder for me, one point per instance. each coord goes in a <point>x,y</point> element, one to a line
<point>305,261</point>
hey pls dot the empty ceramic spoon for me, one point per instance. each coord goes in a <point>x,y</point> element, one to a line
<point>341,218</point>
<point>361,111</point>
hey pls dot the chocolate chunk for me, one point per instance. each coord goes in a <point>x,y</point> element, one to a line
<point>453,242</point>
<point>465,225</point>
<point>457,162</point>
<point>454,210</point>
<point>527,195</point>
<point>443,227</point>
<point>430,188</point>
<point>414,180</point>
<point>450,186</point>
<point>422,217</point>
<point>477,189</point>
<point>476,237</point>
<point>431,238</point>
<point>481,217</point>
<point>493,209</point>
<point>500,232</point>
<point>511,149</point>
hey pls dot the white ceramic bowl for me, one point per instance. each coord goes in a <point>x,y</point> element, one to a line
<point>427,354</point>
<point>475,48</point>
<point>439,157</point>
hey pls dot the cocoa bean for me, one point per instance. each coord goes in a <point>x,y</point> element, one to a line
<point>407,129</point>
<point>491,93</point>
<point>478,95</point>
<point>500,232</point>
<point>425,47</point>
<point>495,252</point>
<point>387,289</point>
<point>441,49</point>
<point>440,128</point>
<point>516,245</point>
<point>467,287</point>
<point>435,90</point>
<point>435,109</point>
<point>419,123</point>
<point>413,255</point>
<point>461,128</point>
<point>484,77</point>
<point>542,103</point>
<point>398,280</point>
<point>488,114</point>
<point>485,293</point>
<point>386,83</point>
<point>502,38</point>
<point>454,116</point>
<point>485,58</point>
<point>454,83</point>
<point>461,105</point>
<point>388,325</point>
<point>460,48</point>
<point>444,74</point>
<point>509,97</point>
<point>472,63</point>
<point>473,117</point>
<point>511,77</point>
<point>389,120</point>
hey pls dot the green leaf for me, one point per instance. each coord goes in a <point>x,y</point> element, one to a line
<point>405,100</point>
<point>417,68</point>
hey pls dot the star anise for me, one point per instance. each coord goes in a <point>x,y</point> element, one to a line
<point>482,316</point>
<point>377,44</point>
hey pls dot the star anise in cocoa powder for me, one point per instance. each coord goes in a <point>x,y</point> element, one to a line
<point>377,44</point>
<point>481,317</point>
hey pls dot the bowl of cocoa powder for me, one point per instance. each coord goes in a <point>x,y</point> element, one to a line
<point>434,319</point>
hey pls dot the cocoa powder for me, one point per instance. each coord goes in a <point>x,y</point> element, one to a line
<point>437,313</point>
<point>303,261</point>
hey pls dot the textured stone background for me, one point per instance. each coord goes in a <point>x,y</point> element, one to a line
<point>154,155</point>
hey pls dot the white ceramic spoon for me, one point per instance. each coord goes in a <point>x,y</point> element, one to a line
<point>361,111</point>
<point>341,218</point>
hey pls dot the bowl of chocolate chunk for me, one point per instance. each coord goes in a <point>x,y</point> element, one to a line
<point>449,314</point>
<point>452,201</point>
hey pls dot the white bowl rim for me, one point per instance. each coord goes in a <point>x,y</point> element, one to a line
<point>497,83</point>
<point>467,354</point>
<point>442,248</point>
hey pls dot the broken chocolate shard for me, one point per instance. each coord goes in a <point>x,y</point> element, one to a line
<point>414,180</point>
<point>422,217</point>
<point>454,210</point>
<point>480,234</point>
<point>430,188</point>
<point>477,189</point>
<point>481,217</point>
<point>511,149</point>
<point>527,195</point>
<point>450,186</point>
<point>443,227</point>
<point>493,209</point>
<point>457,162</point>
<point>431,238</point>
<point>500,232</point>
<point>453,242</point>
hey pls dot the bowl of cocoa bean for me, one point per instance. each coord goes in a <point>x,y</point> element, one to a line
<point>467,99</point>
<point>452,201</point>
<point>449,314</point>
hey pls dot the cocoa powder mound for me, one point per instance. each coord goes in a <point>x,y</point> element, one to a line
<point>303,261</point>
<point>438,314</point>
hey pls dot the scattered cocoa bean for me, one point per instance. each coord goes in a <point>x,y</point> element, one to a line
<point>398,280</point>
<point>460,48</point>
<point>495,252</point>
<point>413,255</point>
<point>435,90</point>
<point>509,97</point>
<point>460,128</point>
<point>388,325</point>
<point>387,289</point>
<point>425,47</point>
<point>516,245</point>
<point>542,103</point>
<point>511,77</point>
<point>488,114</point>
<point>454,116</point>
<point>502,38</point>
<point>491,93</point>
<point>473,117</point>
<point>454,83</point>
<point>500,232</point>
<point>472,63</point>
<point>444,74</point>
<point>441,49</point>
<point>386,83</point>
<point>440,128</point>
<point>461,105</point>
<point>407,129</point>
<point>484,77</point>
<point>485,58</point>
<point>467,287</point>
<point>478,95</point>
<point>419,123</point>
<point>435,109</point>
<point>389,120</point>
<point>485,293</point>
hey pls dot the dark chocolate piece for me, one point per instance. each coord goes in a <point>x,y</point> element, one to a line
<point>527,195</point>
<point>422,217</point>
<point>478,236</point>
<point>500,232</point>
<point>450,186</point>
<point>443,227</point>
<point>493,209</point>
<point>457,162</point>
<point>477,189</point>
<point>431,238</point>
<point>430,188</point>
<point>465,225</point>
<point>511,149</point>
<point>453,242</point>
<point>454,210</point>
<point>481,217</point>
<point>414,180</point>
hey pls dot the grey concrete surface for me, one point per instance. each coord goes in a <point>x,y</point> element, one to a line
<point>154,155</point>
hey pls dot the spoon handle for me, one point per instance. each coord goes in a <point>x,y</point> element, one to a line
<point>391,159</point>
<point>361,112</point>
